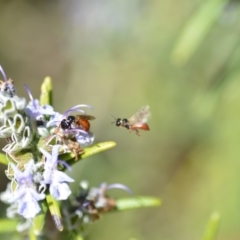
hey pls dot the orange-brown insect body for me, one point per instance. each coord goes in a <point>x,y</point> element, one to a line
<point>142,126</point>
<point>82,121</point>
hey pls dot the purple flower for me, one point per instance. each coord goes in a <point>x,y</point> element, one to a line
<point>84,138</point>
<point>26,195</point>
<point>34,110</point>
<point>55,120</point>
<point>59,189</point>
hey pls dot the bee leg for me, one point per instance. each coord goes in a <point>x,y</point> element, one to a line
<point>75,153</point>
<point>75,148</point>
<point>57,131</point>
<point>137,132</point>
<point>78,152</point>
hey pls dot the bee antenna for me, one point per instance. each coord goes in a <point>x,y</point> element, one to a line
<point>113,118</point>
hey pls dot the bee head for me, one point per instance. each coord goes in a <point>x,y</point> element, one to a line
<point>66,123</point>
<point>70,119</point>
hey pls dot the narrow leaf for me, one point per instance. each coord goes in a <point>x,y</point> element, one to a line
<point>55,212</point>
<point>79,237</point>
<point>137,202</point>
<point>75,236</point>
<point>196,30</point>
<point>212,227</point>
<point>3,159</point>
<point>46,91</point>
<point>89,151</point>
<point>8,225</point>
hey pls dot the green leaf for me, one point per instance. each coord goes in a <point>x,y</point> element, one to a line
<point>79,237</point>
<point>212,227</point>
<point>3,159</point>
<point>8,225</point>
<point>137,202</point>
<point>196,30</point>
<point>55,212</point>
<point>39,220</point>
<point>46,91</point>
<point>88,151</point>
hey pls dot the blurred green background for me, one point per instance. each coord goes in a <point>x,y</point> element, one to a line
<point>182,58</point>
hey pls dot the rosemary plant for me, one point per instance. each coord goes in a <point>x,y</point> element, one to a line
<point>42,145</point>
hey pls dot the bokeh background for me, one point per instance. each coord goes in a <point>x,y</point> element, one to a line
<point>181,57</point>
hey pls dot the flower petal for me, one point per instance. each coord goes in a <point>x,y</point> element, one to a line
<point>18,194</point>
<point>85,139</point>
<point>46,154</point>
<point>60,191</point>
<point>55,120</point>
<point>55,151</point>
<point>36,195</point>
<point>28,206</point>
<point>61,177</point>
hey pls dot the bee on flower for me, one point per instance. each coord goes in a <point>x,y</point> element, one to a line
<point>69,131</point>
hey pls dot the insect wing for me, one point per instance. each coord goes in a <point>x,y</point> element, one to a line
<point>88,117</point>
<point>141,116</point>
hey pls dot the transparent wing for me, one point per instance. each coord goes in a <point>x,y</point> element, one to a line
<point>88,117</point>
<point>141,116</point>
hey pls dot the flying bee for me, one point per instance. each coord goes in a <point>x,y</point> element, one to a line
<point>77,121</point>
<point>135,122</point>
